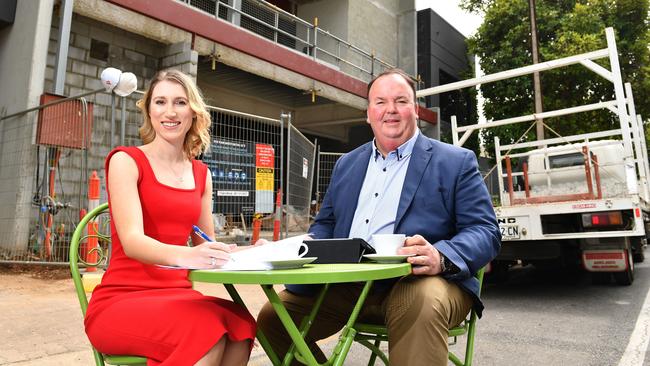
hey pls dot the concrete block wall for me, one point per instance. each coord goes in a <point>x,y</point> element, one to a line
<point>180,56</point>
<point>128,52</point>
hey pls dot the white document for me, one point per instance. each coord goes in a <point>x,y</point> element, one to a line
<point>262,257</point>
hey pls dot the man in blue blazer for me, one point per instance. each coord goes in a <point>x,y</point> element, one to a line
<point>402,182</point>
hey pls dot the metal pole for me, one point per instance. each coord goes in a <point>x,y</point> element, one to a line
<point>636,139</point>
<point>536,80</point>
<point>318,193</point>
<point>65,20</point>
<point>123,121</point>
<point>282,117</point>
<point>315,48</point>
<point>58,101</point>
<point>110,142</point>
<point>286,222</point>
<point>622,111</point>
<point>497,156</point>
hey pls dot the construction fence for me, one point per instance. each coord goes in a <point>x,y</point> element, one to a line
<point>326,162</point>
<point>74,135</point>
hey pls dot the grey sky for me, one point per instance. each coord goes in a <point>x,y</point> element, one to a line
<point>465,22</point>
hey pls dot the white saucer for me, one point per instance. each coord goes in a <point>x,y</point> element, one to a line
<point>397,258</point>
<point>291,263</point>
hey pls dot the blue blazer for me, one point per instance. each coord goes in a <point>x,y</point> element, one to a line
<point>443,199</point>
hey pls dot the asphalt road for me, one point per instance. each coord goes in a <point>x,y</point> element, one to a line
<point>550,318</point>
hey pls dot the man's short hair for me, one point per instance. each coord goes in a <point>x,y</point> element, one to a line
<point>395,71</point>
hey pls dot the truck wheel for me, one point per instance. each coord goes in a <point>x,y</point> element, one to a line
<point>639,256</point>
<point>626,277</point>
<point>638,247</point>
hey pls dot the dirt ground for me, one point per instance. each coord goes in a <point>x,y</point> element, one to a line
<point>41,322</point>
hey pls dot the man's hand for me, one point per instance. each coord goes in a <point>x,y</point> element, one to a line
<point>427,258</point>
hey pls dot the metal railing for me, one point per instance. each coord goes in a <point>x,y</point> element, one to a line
<point>279,26</point>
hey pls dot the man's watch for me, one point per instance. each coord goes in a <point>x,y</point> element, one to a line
<point>447,266</point>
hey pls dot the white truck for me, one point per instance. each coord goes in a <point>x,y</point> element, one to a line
<point>579,200</point>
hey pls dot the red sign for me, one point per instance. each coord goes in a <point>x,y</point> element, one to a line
<point>264,156</point>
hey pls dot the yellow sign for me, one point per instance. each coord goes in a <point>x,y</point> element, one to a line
<point>264,179</point>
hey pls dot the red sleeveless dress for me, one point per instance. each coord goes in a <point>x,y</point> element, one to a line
<point>142,309</point>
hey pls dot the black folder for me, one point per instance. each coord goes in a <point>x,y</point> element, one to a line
<point>338,250</point>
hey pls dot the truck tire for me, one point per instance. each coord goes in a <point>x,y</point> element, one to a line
<point>638,248</point>
<point>639,256</point>
<point>626,277</point>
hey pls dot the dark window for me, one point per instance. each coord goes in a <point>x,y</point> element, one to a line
<point>563,161</point>
<point>98,50</point>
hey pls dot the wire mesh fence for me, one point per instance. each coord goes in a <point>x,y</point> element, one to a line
<point>245,161</point>
<point>69,144</point>
<point>326,162</point>
<point>300,166</point>
<point>73,137</point>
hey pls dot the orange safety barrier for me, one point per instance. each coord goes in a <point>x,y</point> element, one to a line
<point>257,227</point>
<point>93,227</point>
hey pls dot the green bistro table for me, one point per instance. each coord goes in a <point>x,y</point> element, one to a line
<point>325,274</point>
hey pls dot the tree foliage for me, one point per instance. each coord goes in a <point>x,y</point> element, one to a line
<point>565,28</point>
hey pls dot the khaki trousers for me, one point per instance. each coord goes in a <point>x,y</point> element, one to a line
<point>418,311</point>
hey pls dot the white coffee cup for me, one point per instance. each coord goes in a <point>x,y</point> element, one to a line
<point>287,250</point>
<point>282,250</point>
<point>388,244</point>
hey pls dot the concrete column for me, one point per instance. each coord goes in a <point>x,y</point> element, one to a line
<point>407,36</point>
<point>24,51</point>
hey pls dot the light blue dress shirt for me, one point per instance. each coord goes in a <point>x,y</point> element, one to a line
<point>379,197</point>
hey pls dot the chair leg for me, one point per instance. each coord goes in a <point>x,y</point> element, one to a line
<point>373,355</point>
<point>99,360</point>
<point>469,349</point>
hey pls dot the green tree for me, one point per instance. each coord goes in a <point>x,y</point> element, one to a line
<point>565,28</point>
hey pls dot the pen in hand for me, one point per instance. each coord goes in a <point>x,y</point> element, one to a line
<point>204,236</point>
<point>200,233</point>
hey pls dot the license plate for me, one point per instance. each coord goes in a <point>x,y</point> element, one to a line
<point>509,232</point>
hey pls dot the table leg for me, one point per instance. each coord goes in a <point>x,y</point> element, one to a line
<point>306,322</point>
<point>289,325</point>
<point>348,332</point>
<point>275,360</point>
<point>297,335</point>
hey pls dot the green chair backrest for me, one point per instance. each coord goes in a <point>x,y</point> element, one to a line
<point>377,333</point>
<point>79,236</point>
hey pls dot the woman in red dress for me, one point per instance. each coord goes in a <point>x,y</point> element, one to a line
<point>156,192</point>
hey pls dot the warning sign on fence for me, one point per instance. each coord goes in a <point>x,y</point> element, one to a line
<point>264,176</point>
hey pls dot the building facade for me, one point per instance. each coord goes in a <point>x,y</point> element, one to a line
<point>310,58</point>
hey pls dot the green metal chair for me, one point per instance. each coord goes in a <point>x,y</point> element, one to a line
<point>371,336</point>
<point>80,235</point>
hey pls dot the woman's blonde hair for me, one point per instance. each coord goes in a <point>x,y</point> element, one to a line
<point>197,139</point>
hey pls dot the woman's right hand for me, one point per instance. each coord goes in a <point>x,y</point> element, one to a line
<point>206,255</point>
